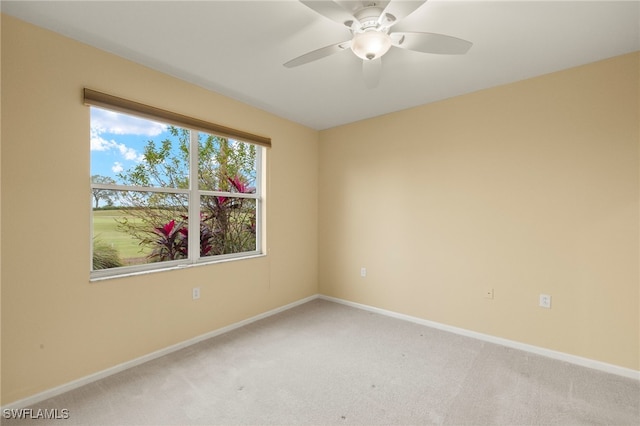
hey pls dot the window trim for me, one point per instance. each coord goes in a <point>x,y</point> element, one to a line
<point>102,100</point>
<point>97,99</point>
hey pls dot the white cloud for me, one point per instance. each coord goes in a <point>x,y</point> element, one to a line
<point>98,143</point>
<point>129,153</point>
<point>117,167</point>
<point>103,121</point>
<point>112,123</point>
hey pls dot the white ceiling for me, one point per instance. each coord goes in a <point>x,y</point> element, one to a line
<point>237,48</point>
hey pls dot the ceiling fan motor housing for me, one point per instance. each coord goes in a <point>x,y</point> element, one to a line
<point>371,40</point>
<point>368,17</point>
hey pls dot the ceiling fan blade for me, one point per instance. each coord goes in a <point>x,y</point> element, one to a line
<point>398,10</point>
<point>371,71</point>
<point>318,54</point>
<point>431,43</point>
<point>333,11</point>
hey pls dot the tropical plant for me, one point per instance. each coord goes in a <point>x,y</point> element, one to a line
<point>227,224</point>
<point>170,242</point>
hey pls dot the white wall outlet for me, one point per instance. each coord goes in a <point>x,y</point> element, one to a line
<point>545,301</point>
<point>363,272</point>
<point>488,293</point>
<point>195,293</point>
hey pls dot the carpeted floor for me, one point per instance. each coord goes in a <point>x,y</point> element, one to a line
<point>323,363</point>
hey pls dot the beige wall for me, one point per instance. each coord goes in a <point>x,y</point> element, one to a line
<point>56,325</point>
<point>527,188</point>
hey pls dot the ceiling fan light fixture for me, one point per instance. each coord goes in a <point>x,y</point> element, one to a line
<point>370,45</point>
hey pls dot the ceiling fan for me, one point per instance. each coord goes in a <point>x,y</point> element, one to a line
<point>370,24</point>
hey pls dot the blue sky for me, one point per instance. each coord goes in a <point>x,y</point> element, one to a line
<point>118,140</point>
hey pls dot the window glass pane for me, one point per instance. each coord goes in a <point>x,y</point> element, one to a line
<point>227,225</point>
<point>139,228</point>
<point>128,150</point>
<point>226,165</point>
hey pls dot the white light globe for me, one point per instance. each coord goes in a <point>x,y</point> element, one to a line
<point>370,44</point>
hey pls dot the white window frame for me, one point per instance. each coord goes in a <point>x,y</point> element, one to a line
<point>194,195</point>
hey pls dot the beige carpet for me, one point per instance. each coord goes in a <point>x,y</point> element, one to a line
<point>323,363</point>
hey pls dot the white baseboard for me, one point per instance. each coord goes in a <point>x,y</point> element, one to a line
<point>572,359</point>
<point>50,393</point>
<point>585,362</point>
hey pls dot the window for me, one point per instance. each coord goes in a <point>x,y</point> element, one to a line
<point>167,195</point>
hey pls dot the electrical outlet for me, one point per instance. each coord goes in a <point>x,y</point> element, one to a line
<point>363,272</point>
<point>195,293</point>
<point>488,293</point>
<point>545,301</point>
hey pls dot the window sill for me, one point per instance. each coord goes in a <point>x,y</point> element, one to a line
<point>172,268</point>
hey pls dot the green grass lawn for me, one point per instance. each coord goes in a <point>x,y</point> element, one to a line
<point>105,229</point>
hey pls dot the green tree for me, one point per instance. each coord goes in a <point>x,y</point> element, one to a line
<point>106,195</point>
<point>227,224</point>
